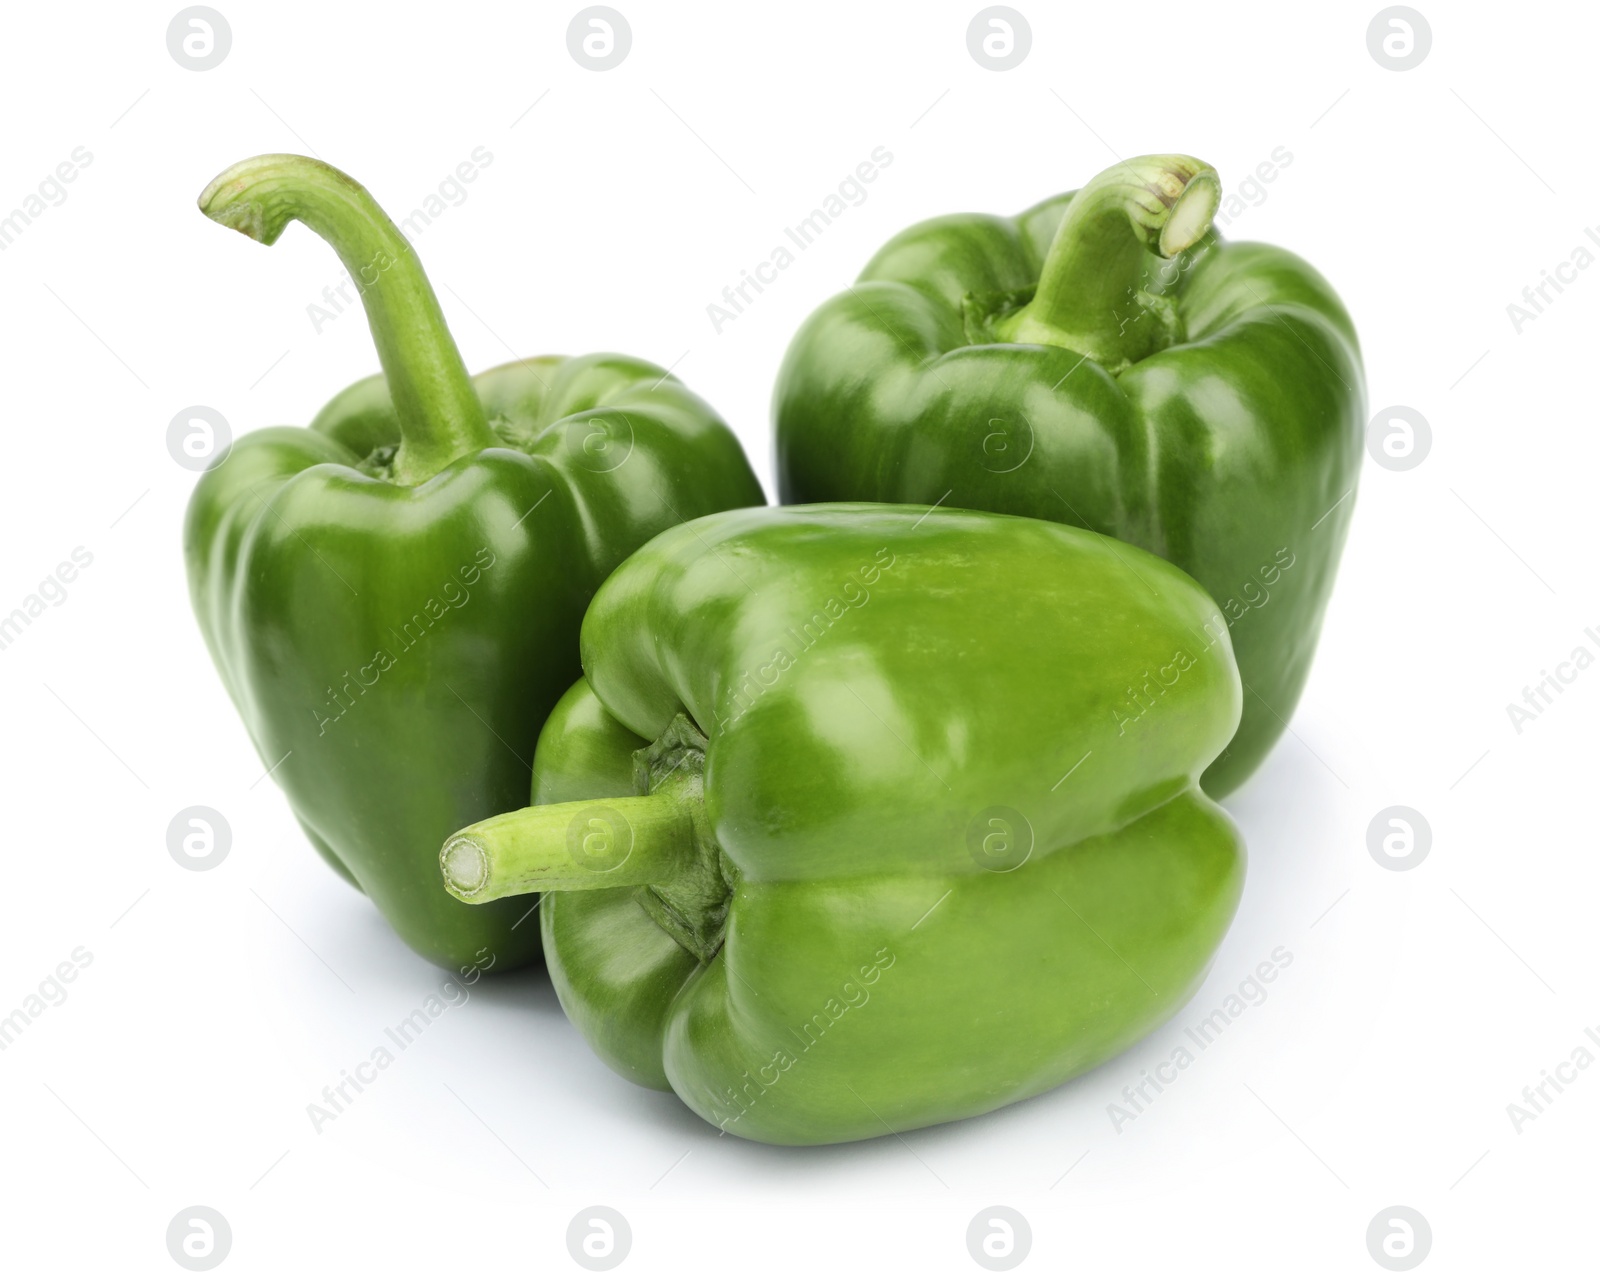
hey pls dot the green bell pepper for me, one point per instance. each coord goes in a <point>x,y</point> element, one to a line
<point>870,817</point>
<point>393,596</point>
<point>1104,360</point>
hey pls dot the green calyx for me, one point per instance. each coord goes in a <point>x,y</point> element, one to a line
<point>1093,295</point>
<point>439,414</point>
<point>692,905</point>
<point>658,842</point>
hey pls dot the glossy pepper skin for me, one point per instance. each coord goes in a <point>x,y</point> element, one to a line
<point>860,819</point>
<point>393,596</point>
<point>1105,360</point>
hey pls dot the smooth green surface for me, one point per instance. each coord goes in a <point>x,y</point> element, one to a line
<point>393,596</point>
<point>1208,408</point>
<point>872,682</point>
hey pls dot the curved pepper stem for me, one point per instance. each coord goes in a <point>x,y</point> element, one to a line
<point>626,842</point>
<point>440,416</point>
<point>1090,297</point>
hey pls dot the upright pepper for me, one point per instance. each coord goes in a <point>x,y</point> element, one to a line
<point>393,596</point>
<point>870,817</point>
<point>1104,360</point>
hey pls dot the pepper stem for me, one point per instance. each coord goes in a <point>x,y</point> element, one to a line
<point>440,416</point>
<point>1090,297</point>
<point>566,847</point>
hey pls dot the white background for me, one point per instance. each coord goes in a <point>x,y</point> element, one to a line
<point>218,1005</point>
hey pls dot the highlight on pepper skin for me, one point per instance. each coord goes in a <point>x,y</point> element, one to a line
<point>1106,360</point>
<point>760,813</point>
<point>393,596</point>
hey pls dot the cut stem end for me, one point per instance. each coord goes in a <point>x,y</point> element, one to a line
<point>465,863</point>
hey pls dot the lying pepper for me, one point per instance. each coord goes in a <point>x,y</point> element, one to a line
<point>1104,360</point>
<point>393,596</point>
<point>870,817</point>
